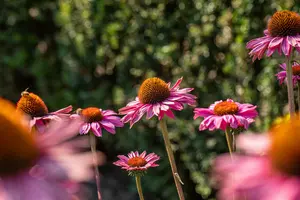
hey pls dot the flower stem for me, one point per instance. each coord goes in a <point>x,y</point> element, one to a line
<point>298,98</point>
<point>233,142</point>
<point>97,174</point>
<point>228,139</point>
<point>176,176</point>
<point>290,88</point>
<point>139,187</point>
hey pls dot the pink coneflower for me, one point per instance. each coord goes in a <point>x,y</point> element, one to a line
<point>137,163</point>
<point>156,97</point>
<point>34,106</point>
<point>269,167</point>
<point>222,114</point>
<point>96,119</point>
<point>281,76</point>
<point>37,166</point>
<point>283,34</point>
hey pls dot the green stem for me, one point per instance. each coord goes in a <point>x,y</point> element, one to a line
<point>228,139</point>
<point>233,142</point>
<point>290,87</point>
<point>139,187</point>
<point>94,153</point>
<point>176,176</point>
<point>298,98</point>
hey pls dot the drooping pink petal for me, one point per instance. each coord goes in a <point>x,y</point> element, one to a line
<point>108,126</point>
<point>85,128</point>
<point>96,129</point>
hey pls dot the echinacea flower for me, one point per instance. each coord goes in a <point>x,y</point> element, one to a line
<point>282,34</point>
<point>137,164</point>
<point>223,114</point>
<point>38,166</point>
<point>156,97</point>
<point>281,76</point>
<point>32,105</point>
<point>269,167</point>
<point>95,119</point>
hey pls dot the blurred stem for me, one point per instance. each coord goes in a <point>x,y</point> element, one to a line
<point>290,88</point>
<point>298,98</point>
<point>94,154</point>
<point>139,187</point>
<point>233,142</point>
<point>228,139</point>
<point>176,176</point>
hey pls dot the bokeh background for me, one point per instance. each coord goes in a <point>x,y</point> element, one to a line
<point>96,53</point>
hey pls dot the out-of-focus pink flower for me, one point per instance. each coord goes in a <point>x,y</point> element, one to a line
<point>269,167</point>
<point>283,34</point>
<point>222,114</point>
<point>156,97</point>
<point>136,163</point>
<point>37,166</point>
<point>95,119</point>
<point>32,105</point>
<point>281,76</point>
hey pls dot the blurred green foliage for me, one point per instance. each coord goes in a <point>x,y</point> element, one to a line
<point>95,52</point>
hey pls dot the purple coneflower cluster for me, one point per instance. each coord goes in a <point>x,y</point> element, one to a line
<point>40,159</point>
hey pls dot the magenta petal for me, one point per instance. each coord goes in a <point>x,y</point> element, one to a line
<point>170,114</point>
<point>115,120</point>
<point>275,42</point>
<point>85,128</point>
<point>285,47</point>
<point>96,129</point>
<point>202,112</point>
<point>108,112</point>
<point>65,110</point>
<point>108,126</point>
<point>156,109</point>
<point>150,112</point>
<point>177,84</point>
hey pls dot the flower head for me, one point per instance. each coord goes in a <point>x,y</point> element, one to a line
<point>36,166</point>
<point>282,34</point>
<point>281,76</point>
<point>95,119</point>
<point>32,105</point>
<point>222,114</point>
<point>270,162</point>
<point>156,97</point>
<point>137,164</point>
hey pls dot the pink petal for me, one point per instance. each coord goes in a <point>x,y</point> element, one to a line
<point>108,126</point>
<point>85,128</point>
<point>96,129</point>
<point>177,84</point>
<point>65,110</point>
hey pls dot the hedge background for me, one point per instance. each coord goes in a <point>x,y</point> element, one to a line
<point>96,53</point>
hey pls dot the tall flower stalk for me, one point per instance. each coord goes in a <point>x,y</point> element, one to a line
<point>139,187</point>
<point>158,98</point>
<point>290,87</point>
<point>96,119</point>
<point>229,140</point>
<point>93,144</point>
<point>175,174</point>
